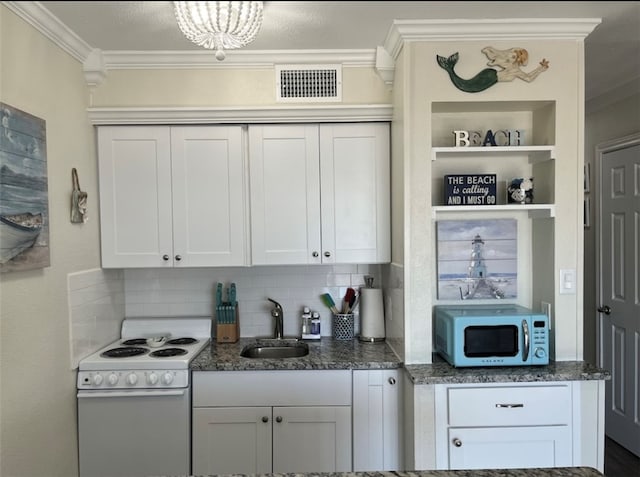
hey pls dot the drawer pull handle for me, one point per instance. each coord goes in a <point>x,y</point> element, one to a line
<point>510,406</point>
<point>265,419</point>
<point>279,419</point>
<point>457,442</point>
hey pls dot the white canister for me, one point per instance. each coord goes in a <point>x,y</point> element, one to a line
<point>371,315</point>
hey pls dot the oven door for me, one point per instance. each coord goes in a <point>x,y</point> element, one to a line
<point>134,433</point>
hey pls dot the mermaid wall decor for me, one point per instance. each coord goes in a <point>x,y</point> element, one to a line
<point>508,62</point>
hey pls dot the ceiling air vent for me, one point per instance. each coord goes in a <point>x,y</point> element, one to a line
<point>308,83</point>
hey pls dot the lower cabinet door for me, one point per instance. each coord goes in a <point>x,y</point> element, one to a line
<point>311,439</point>
<point>231,440</point>
<point>510,447</point>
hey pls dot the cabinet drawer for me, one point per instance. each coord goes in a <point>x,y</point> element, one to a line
<point>508,405</point>
<point>272,388</point>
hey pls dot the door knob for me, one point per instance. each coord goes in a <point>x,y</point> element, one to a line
<point>605,309</point>
<point>314,254</point>
<point>279,419</point>
<point>165,257</point>
<point>178,257</point>
<point>457,442</point>
<point>265,419</point>
<point>327,254</point>
<point>392,381</point>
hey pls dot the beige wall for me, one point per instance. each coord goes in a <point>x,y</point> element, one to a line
<point>221,87</point>
<point>613,121</point>
<point>37,397</point>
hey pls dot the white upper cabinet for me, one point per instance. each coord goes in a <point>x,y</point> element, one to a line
<point>171,196</point>
<point>320,193</point>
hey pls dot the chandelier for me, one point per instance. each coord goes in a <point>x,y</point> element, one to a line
<point>219,25</point>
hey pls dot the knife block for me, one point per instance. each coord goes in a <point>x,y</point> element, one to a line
<point>227,324</point>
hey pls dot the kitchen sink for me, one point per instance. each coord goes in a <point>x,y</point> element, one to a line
<point>296,350</point>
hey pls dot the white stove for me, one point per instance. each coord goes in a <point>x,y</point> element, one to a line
<point>151,353</point>
<point>136,390</point>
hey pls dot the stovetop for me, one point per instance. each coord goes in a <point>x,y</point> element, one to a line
<point>136,353</point>
<point>151,353</point>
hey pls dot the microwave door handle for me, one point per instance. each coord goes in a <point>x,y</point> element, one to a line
<point>525,337</point>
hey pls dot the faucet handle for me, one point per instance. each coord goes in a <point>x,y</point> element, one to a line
<point>278,305</point>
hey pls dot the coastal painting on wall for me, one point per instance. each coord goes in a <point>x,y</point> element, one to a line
<point>24,200</point>
<point>477,259</point>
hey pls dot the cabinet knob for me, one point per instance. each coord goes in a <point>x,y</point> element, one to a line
<point>165,258</point>
<point>327,254</point>
<point>279,419</point>
<point>457,442</point>
<point>178,257</point>
<point>392,381</point>
<point>315,254</point>
<point>265,419</point>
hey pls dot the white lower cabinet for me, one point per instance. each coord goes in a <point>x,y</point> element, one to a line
<point>303,424</point>
<point>504,426</point>
<point>509,447</point>
<point>249,440</point>
<point>377,420</point>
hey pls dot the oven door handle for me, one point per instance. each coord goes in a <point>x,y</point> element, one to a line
<point>115,394</point>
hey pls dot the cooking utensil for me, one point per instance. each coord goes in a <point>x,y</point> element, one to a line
<point>328,301</point>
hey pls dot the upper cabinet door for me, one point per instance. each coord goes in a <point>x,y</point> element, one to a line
<point>208,196</point>
<point>172,196</point>
<point>135,196</point>
<point>355,191</point>
<point>285,194</point>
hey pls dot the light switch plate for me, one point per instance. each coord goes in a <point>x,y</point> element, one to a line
<point>567,282</point>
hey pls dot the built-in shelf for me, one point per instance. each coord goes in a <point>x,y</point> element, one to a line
<point>536,211</point>
<point>535,153</point>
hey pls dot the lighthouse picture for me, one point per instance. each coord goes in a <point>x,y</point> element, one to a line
<point>477,259</point>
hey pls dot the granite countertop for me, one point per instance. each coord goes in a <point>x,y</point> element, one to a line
<point>549,472</point>
<point>328,353</point>
<point>441,372</point>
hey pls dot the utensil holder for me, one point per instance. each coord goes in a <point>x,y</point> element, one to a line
<point>343,326</point>
<point>227,323</point>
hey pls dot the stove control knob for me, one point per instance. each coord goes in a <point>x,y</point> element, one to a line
<point>132,379</point>
<point>152,378</point>
<point>97,379</point>
<point>167,378</point>
<point>112,379</point>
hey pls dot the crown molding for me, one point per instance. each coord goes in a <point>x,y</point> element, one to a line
<point>205,59</point>
<point>402,31</point>
<point>42,20</point>
<point>240,115</point>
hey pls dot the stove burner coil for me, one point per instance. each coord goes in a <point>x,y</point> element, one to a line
<point>182,341</point>
<point>134,342</point>
<point>168,352</point>
<point>125,352</point>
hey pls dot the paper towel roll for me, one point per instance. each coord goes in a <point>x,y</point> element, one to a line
<point>371,315</point>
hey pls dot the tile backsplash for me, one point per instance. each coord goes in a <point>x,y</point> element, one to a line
<point>96,310</point>
<point>191,292</point>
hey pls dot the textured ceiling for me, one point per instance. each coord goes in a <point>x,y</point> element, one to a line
<point>612,50</point>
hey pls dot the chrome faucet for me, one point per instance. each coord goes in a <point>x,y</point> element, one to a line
<point>277,313</point>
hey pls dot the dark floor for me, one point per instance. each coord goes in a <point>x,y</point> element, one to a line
<point>618,461</point>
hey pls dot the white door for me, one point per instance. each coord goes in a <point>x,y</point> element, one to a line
<point>208,196</point>
<point>355,185</point>
<point>285,194</point>
<point>311,439</point>
<point>231,440</point>
<point>619,274</point>
<point>510,447</point>
<point>134,166</point>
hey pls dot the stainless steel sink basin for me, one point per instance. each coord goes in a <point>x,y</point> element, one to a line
<point>296,350</point>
